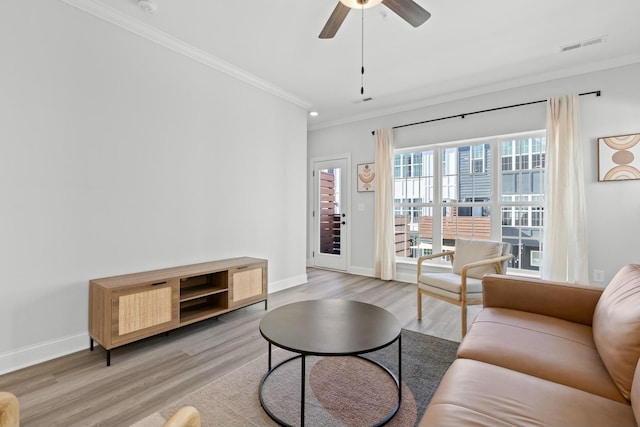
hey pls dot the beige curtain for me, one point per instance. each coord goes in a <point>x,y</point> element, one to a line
<point>384,238</point>
<point>565,253</point>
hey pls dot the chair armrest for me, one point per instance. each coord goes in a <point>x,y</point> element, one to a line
<point>465,268</point>
<point>497,261</point>
<point>9,410</point>
<point>575,303</point>
<point>426,257</point>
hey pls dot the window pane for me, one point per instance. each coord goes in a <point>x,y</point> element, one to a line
<point>474,224</point>
<point>528,176</point>
<point>522,197</point>
<point>465,177</point>
<point>413,189</point>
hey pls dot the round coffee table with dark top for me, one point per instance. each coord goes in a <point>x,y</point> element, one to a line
<point>330,327</point>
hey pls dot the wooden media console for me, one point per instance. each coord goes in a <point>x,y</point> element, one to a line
<point>130,307</point>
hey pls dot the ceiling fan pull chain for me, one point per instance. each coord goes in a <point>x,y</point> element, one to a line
<point>362,54</point>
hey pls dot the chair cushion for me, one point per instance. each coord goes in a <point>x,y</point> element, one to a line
<point>616,326</point>
<point>543,346</point>
<point>449,284</point>
<point>474,393</point>
<point>468,251</point>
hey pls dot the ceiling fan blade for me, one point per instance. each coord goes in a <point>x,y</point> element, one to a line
<point>408,10</point>
<point>335,20</point>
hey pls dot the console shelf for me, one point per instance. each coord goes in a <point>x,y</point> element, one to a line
<point>130,307</point>
<point>199,291</point>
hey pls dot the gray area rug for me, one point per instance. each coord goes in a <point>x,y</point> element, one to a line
<point>340,391</point>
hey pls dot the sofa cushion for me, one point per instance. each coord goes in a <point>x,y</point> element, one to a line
<point>542,346</point>
<point>616,326</point>
<point>468,251</point>
<point>474,393</point>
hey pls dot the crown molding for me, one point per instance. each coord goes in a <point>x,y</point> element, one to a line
<point>122,20</point>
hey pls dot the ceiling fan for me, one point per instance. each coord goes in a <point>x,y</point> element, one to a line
<point>408,10</point>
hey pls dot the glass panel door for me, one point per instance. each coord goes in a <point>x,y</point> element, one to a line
<point>330,215</point>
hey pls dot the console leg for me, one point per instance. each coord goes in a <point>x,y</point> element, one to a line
<point>91,343</point>
<point>265,305</point>
<point>108,357</point>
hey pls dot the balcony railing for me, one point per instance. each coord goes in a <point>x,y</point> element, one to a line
<point>412,244</point>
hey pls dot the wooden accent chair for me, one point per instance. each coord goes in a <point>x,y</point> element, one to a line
<point>186,416</point>
<point>9,410</point>
<point>470,260</point>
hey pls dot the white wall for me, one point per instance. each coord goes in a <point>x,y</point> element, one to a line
<point>118,155</point>
<point>614,207</point>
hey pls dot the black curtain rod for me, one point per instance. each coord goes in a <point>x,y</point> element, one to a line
<point>462,116</point>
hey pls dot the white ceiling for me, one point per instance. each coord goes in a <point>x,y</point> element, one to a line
<point>468,47</point>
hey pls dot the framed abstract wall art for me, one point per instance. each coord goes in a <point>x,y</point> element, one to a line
<point>366,177</point>
<point>619,157</point>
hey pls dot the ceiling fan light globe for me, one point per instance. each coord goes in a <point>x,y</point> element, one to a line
<point>358,4</point>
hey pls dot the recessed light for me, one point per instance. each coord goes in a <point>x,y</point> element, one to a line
<point>313,113</point>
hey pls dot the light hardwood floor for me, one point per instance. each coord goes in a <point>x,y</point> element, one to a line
<point>80,390</point>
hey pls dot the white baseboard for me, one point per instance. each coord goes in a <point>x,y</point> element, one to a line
<point>38,353</point>
<point>406,276</point>
<point>361,271</point>
<point>287,283</point>
<point>401,276</point>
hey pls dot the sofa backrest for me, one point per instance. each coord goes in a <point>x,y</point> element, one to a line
<point>616,327</point>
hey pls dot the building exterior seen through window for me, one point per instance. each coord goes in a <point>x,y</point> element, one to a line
<point>491,189</point>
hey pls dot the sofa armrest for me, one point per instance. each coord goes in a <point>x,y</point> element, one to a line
<point>575,303</point>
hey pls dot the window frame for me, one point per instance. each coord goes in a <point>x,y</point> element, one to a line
<point>529,209</point>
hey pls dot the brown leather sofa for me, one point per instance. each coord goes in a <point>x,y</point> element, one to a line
<point>546,353</point>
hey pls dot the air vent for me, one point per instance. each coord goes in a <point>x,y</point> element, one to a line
<point>584,43</point>
<point>571,47</point>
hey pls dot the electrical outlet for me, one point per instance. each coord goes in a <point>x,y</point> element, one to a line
<point>598,276</point>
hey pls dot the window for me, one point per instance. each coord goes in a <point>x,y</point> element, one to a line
<point>435,206</point>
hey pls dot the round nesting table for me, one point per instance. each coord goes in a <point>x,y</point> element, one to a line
<point>330,327</point>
